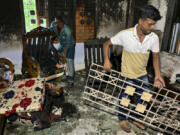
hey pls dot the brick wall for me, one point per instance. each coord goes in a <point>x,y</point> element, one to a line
<point>84,25</point>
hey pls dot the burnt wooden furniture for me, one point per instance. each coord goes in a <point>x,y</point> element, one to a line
<point>5,65</point>
<point>93,51</point>
<point>9,66</point>
<point>2,124</point>
<point>8,63</point>
<point>39,52</point>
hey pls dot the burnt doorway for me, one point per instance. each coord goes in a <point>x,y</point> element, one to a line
<point>64,8</point>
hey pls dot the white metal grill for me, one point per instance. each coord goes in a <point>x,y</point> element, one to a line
<point>159,109</point>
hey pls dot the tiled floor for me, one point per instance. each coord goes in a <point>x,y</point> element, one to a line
<point>85,121</point>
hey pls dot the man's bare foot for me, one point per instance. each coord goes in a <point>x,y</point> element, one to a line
<point>124,126</point>
<point>139,125</point>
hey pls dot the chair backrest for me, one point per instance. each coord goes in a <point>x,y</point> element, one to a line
<point>37,43</point>
<point>93,51</point>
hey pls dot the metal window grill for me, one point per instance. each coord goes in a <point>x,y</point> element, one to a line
<point>103,89</point>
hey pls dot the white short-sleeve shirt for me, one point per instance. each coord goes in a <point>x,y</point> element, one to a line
<point>135,54</point>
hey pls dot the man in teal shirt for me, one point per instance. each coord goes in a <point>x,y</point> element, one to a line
<point>66,45</point>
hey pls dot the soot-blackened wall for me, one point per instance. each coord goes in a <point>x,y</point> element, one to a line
<point>11,20</point>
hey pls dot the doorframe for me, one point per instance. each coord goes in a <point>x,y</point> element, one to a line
<point>22,17</point>
<point>170,18</point>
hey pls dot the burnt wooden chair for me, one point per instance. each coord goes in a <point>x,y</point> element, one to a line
<point>5,66</point>
<point>8,65</point>
<point>93,51</point>
<point>39,55</point>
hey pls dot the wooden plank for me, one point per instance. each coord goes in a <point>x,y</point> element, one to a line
<point>40,43</point>
<point>98,54</point>
<point>28,45</point>
<point>2,124</point>
<point>94,53</point>
<point>43,48</point>
<point>85,57</point>
<point>47,45</point>
<point>38,48</point>
<point>102,54</point>
<point>89,56</point>
<point>54,76</point>
<point>33,47</point>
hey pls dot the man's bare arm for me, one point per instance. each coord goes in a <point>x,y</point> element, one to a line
<point>158,80</point>
<point>107,63</point>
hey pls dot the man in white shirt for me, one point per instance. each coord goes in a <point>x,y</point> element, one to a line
<point>137,43</point>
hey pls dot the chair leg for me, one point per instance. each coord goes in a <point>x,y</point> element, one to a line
<point>23,70</point>
<point>2,124</point>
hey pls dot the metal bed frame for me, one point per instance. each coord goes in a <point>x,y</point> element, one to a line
<point>103,90</point>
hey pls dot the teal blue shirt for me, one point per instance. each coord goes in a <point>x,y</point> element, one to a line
<point>65,39</point>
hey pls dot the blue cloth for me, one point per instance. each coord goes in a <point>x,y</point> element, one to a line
<point>138,90</point>
<point>65,39</point>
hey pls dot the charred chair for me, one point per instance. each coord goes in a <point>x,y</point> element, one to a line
<point>6,74</point>
<point>5,65</point>
<point>39,56</point>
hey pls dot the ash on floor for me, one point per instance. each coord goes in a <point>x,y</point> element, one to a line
<point>79,118</point>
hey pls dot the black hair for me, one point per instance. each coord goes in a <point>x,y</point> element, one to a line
<point>60,18</point>
<point>150,12</point>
